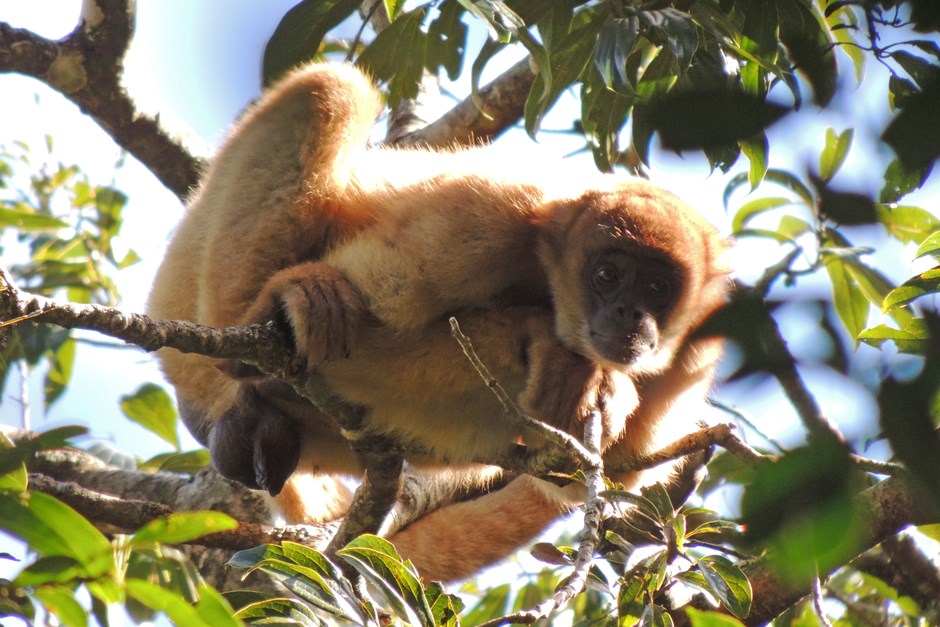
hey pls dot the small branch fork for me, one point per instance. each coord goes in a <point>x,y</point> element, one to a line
<point>590,537</point>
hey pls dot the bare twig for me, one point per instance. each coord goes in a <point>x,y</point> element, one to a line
<point>557,437</point>
<point>818,602</point>
<point>590,536</point>
<point>784,370</point>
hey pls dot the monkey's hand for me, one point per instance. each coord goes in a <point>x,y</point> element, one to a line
<point>317,305</point>
<point>255,444</point>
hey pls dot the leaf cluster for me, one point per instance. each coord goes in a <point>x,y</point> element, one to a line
<point>138,572</point>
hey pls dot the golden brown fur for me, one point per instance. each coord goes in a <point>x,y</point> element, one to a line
<point>363,252</point>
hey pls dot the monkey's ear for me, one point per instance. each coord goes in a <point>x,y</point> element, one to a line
<point>556,223</point>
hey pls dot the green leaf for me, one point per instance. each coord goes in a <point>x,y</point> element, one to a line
<point>190,462</point>
<point>678,31</point>
<point>492,605</point>
<point>930,246</point>
<point>393,8</point>
<point>51,570</point>
<point>603,113</point>
<point>489,50</point>
<point>51,528</point>
<point>850,302</point>
<point>792,227</point>
<point>910,339</point>
<point>900,181</point>
<point>728,583</point>
<point>376,560</point>
<point>311,558</point>
<point>755,149</point>
<point>501,21</point>
<point>915,133</point>
<point>294,611</point>
<point>907,224</point>
<point>29,220</point>
<point>615,41</point>
<point>779,177</point>
<point>921,285</point>
<point>61,364</point>
<point>152,408</point>
<point>910,424</point>
<point>315,580</point>
<point>214,609</point>
<point>834,153</point>
<point>701,618</point>
<point>760,29</point>
<point>569,55</point>
<point>60,602</point>
<point>182,527</point>
<point>696,119</point>
<point>921,70</point>
<point>754,208</point>
<point>447,40</point>
<point>298,35</point>
<point>550,554</point>
<point>631,599</point>
<point>446,607</point>
<point>900,91</point>
<point>397,55</point>
<point>658,77</point>
<point>875,286</point>
<point>809,45</point>
<point>177,609</point>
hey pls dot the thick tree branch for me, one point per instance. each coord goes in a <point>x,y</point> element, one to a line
<point>87,67</point>
<point>503,101</point>
<point>889,507</point>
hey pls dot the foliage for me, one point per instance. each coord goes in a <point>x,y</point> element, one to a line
<point>73,557</point>
<point>70,230</point>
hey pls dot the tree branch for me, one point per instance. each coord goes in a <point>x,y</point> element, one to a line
<point>503,101</point>
<point>86,67</point>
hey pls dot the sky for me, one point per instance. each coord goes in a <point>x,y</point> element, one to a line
<point>197,64</point>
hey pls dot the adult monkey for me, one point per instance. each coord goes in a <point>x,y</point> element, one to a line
<point>571,292</point>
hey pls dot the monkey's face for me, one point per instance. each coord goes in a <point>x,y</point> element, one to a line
<point>631,271</point>
<point>629,298</point>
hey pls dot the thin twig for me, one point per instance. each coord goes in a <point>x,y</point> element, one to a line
<point>818,601</point>
<point>742,417</point>
<point>555,436</point>
<point>590,536</point>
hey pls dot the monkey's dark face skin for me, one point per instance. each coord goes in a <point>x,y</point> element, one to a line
<point>630,296</point>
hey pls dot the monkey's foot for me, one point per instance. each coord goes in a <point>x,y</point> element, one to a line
<point>255,444</point>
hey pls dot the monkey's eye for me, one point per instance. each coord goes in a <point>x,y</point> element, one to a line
<point>660,287</point>
<point>606,275</point>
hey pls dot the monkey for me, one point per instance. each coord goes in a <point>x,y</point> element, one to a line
<point>459,540</point>
<point>574,291</point>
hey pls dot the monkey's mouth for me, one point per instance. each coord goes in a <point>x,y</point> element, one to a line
<point>625,350</point>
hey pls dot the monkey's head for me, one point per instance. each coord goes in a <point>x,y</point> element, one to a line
<point>632,272</point>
